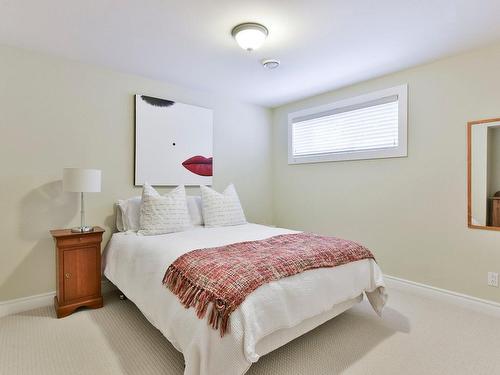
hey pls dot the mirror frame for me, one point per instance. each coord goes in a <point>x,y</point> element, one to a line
<point>470,124</point>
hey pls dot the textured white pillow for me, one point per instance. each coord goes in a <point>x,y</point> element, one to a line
<point>220,210</point>
<point>130,210</point>
<point>194,208</point>
<point>163,214</point>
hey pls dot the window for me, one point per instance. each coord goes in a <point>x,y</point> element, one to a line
<point>370,126</point>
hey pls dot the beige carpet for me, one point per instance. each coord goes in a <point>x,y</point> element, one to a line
<point>415,336</point>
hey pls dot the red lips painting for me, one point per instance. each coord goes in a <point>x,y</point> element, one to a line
<point>199,165</point>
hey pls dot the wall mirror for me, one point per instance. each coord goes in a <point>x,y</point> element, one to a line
<point>483,174</point>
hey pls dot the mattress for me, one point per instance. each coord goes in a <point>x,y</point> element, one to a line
<point>269,317</point>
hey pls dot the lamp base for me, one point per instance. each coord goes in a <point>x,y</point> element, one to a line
<point>84,229</point>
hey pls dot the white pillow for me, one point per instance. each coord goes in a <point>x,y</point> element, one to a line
<point>130,210</point>
<point>194,208</point>
<point>221,210</point>
<point>163,214</point>
<point>119,219</point>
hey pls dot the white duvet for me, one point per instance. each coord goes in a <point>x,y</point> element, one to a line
<point>136,265</point>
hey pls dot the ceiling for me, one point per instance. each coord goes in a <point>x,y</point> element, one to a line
<point>322,44</point>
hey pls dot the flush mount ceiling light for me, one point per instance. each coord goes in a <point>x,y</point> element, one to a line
<point>250,35</point>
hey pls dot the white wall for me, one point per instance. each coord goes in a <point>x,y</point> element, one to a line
<point>55,113</point>
<point>411,211</point>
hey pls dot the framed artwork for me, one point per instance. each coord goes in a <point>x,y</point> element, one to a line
<point>173,143</point>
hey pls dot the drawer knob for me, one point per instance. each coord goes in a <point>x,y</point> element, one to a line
<point>67,275</point>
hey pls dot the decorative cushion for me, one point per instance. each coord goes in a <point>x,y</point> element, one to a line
<point>163,214</point>
<point>221,210</point>
<point>129,212</point>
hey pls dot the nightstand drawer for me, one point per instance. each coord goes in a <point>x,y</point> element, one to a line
<point>76,241</point>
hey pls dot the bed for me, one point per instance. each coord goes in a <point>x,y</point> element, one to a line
<point>271,316</point>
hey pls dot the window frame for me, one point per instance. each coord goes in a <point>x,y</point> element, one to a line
<point>401,150</point>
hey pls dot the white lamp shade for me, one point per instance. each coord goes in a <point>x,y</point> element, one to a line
<point>82,180</point>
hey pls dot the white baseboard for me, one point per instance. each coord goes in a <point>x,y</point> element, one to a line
<point>17,305</point>
<point>463,300</point>
<point>26,303</point>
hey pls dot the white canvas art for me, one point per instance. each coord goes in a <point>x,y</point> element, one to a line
<point>173,143</point>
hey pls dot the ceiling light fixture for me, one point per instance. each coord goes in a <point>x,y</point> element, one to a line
<point>250,35</point>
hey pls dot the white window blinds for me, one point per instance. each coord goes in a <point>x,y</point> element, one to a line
<point>362,127</point>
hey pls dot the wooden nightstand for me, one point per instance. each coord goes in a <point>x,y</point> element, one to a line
<point>495,211</point>
<point>78,270</point>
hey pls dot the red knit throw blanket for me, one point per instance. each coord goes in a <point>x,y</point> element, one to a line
<point>224,276</point>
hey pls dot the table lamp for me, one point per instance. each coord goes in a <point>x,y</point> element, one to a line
<point>81,181</point>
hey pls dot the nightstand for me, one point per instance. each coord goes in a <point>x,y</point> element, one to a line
<point>78,270</point>
<point>495,211</point>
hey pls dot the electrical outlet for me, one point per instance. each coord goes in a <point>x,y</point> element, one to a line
<point>493,279</point>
